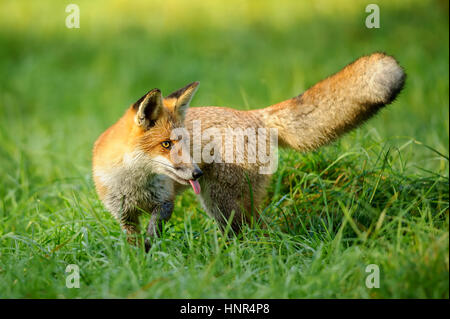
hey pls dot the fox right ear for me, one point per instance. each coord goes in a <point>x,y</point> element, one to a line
<point>180,99</point>
<point>148,109</point>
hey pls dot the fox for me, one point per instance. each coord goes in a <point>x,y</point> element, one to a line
<point>136,169</point>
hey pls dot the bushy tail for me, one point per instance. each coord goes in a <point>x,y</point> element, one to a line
<point>337,104</point>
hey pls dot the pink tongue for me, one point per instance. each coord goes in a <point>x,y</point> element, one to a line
<point>195,186</point>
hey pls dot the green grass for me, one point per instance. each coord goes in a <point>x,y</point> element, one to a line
<point>378,196</point>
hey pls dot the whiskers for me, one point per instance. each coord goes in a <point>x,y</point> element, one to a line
<point>163,163</point>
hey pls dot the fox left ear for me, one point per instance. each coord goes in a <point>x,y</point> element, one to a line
<point>148,109</point>
<point>180,99</point>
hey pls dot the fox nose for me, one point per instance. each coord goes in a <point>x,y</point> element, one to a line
<point>197,173</point>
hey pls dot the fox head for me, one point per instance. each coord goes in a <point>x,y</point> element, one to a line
<point>162,137</point>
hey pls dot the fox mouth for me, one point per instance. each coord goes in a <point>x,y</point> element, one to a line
<point>194,183</point>
<point>171,173</point>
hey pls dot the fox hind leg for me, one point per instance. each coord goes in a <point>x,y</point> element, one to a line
<point>225,206</point>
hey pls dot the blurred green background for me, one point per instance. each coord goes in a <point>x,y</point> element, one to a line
<point>60,88</point>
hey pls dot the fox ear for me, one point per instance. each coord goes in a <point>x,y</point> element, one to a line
<point>180,99</point>
<point>148,109</point>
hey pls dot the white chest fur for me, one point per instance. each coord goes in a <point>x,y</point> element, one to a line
<point>133,186</point>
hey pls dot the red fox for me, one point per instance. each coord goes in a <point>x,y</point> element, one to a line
<point>135,168</point>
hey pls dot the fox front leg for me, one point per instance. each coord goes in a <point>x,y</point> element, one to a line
<point>130,223</point>
<point>160,214</point>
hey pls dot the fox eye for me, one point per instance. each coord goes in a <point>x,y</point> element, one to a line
<point>166,144</point>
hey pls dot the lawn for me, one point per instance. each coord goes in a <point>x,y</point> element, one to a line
<point>380,195</point>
